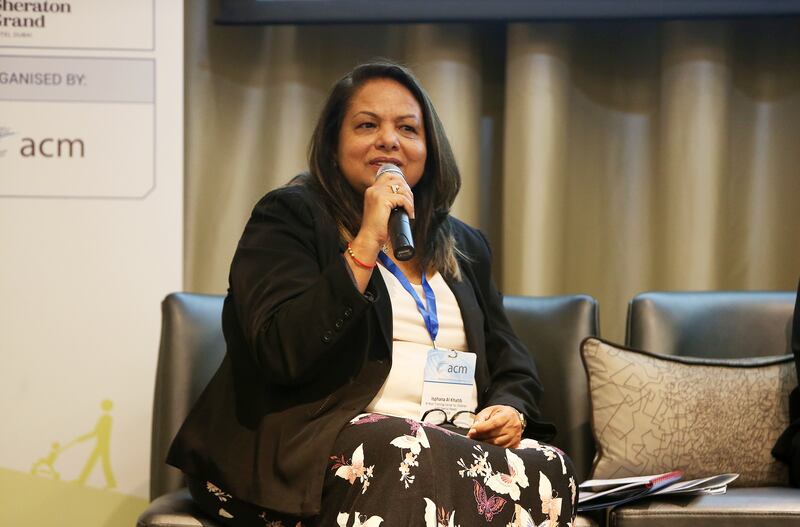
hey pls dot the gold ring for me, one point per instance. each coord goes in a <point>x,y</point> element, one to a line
<point>395,189</point>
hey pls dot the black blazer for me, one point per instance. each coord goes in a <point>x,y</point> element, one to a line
<point>306,352</point>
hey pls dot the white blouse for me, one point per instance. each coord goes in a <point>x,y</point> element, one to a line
<point>401,393</point>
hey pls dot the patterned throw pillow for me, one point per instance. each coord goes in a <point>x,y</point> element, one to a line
<point>655,413</point>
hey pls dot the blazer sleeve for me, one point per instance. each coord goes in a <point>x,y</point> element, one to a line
<point>514,380</point>
<point>293,295</point>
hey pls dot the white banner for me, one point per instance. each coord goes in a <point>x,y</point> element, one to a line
<point>91,230</point>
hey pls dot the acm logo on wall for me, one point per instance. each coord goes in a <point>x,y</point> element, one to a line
<point>47,147</point>
<point>52,147</point>
<point>73,150</point>
<point>42,160</point>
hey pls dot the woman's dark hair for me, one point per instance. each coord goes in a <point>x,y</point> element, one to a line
<point>434,193</point>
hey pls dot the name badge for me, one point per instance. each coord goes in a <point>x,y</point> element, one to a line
<point>448,382</point>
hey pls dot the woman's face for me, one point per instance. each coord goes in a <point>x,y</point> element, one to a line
<point>383,124</point>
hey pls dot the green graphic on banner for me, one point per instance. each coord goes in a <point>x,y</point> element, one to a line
<point>54,480</point>
<point>35,501</point>
<point>101,451</point>
<point>44,467</point>
<point>102,432</point>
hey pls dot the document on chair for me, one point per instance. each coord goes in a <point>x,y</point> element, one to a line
<point>711,485</point>
<point>604,493</point>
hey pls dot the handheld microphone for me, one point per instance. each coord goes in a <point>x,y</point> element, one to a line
<point>399,225</point>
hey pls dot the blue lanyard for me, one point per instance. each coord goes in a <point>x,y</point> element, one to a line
<point>429,314</point>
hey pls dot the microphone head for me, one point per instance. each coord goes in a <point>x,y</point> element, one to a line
<point>389,167</point>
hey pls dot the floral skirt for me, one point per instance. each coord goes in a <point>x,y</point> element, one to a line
<point>391,471</point>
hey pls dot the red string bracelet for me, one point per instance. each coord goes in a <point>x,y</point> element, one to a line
<point>356,260</point>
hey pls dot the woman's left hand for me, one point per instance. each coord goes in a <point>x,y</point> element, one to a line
<point>499,425</point>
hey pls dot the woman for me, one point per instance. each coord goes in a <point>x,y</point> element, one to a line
<point>314,415</point>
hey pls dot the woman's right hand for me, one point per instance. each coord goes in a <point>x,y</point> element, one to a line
<point>499,425</point>
<point>379,201</point>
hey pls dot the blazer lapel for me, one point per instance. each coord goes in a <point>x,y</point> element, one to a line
<point>470,313</point>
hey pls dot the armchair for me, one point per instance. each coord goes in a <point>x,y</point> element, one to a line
<point>713,325</point>
<point>192,347</point>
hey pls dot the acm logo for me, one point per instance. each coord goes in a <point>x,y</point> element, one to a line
<point>47,147</point>
<point>59,147</point>
<point>452,369</point>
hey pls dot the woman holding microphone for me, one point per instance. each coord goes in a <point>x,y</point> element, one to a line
<point>364,385</point>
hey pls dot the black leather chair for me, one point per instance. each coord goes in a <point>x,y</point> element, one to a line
<point>713,325</point>
<point>552,328</point>
<point>192,347</point>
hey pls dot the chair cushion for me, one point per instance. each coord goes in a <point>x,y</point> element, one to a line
<point>176,509</point>
<point>655,413</point>
<point>740,507</point>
